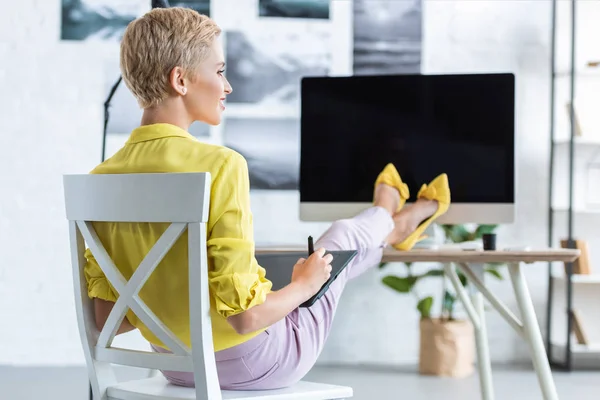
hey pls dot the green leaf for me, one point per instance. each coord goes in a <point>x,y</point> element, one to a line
<point>456,233</point>
<point>483,229</point>
<point>408,267</point>
<point>424,307</point>
<point>383,264</point>
<point>463,278</point>
<point>447,228</point>
<point>433,272</point>
<point>494,273</point>
<point>449,300</point>
<point>402,285</point>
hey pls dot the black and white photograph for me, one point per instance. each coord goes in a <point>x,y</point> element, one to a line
<point>294,8</point>
<point>265,67</point>
<point>387,36</point>
<point>202,6</point>
<point>270,146</point>
<point>106,20</point>
<point>125,114</point>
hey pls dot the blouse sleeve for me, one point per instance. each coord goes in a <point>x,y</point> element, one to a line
<point>98,286</point>
<point>236,280</point>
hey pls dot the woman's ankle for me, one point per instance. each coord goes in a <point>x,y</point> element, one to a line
<point>386,197</point>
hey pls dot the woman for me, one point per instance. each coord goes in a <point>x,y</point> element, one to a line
<point>172,61</point>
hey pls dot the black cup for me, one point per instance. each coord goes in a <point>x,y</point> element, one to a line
<point>489,241</point>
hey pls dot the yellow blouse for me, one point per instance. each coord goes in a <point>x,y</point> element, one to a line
<point>236,281</point>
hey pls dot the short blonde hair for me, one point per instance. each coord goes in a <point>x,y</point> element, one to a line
<point>159,41</point>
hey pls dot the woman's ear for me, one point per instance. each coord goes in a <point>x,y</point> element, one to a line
<point>177,81</point>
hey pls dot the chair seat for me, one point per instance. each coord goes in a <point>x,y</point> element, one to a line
<point>158,388</point>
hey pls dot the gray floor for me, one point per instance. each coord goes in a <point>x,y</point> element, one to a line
<point>511,383</point>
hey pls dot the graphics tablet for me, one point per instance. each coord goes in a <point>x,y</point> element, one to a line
<point>279,268</point>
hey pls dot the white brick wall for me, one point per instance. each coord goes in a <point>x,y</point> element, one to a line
<point>51,112</point>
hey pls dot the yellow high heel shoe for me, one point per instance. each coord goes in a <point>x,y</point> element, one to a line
<point>391,177</point>
<point>438,189</point>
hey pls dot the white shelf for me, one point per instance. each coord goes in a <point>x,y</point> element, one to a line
<point>564,209</point>
<point>587,72</point>
<point>583,356</point>
<point>584,279</point>
<point>576,348</point>
<point>579,140</point>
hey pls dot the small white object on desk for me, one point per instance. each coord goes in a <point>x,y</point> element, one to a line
<point>471,246</point>
<point>518,248</point>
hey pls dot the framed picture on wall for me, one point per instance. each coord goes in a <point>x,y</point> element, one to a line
<point>318,9</point>
<point>106,20</point>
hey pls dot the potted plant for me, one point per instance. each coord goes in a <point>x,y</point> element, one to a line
<point>447,343</point>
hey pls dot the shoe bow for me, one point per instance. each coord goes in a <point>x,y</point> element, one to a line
<point>429,192</point>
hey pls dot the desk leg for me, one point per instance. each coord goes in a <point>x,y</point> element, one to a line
<point>481,340</point>
<point>532,332</point>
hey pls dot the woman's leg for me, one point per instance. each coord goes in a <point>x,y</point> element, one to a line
<point>296,341</point>
<point>366,233</point>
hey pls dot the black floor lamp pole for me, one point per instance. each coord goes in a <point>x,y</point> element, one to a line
<point>106,114</point>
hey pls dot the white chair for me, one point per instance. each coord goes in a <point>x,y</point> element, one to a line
<point>183,200</point>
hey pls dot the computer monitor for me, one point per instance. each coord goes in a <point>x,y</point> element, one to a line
<point>463,125</point>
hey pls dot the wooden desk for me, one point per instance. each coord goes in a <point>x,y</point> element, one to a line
<point>480,256</point>
<point>471,263</point>
<point>456,255</point>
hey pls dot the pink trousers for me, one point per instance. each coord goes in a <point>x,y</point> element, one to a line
<point>287,350</point>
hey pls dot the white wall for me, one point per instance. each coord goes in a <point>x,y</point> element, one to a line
<point>51,112</point>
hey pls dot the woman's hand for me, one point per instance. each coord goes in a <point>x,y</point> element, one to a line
<point>308,277</point>
<point>313,272</point>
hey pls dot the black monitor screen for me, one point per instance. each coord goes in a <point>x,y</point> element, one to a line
<point>463,125</point>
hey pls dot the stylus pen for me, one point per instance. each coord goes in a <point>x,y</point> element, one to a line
<point>311,246</point>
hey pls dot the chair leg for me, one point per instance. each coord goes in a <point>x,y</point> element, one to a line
<point>532,333</point>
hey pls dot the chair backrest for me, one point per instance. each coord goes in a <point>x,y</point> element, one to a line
<point>181,199</point>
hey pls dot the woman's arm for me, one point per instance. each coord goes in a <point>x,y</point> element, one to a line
<point>102,309</point>
<point>240,288</point>
<point>101,293</point>
<point>308,277</point>
<point>277,305</point>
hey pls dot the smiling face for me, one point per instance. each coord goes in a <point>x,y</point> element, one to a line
<point>207,87</point>
<point>186,43</point>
